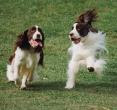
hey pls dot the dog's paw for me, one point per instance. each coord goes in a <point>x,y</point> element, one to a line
<point>91,69</point>
<point>23,88</point>
<point>69,86</point>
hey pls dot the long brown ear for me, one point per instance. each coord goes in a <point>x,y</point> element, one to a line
<point>22,40</point>
<point>88,17</point>
<point>41,58</point>
<point>43,37</point>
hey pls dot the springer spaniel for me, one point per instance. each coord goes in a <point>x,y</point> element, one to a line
<point>87,46</point>
<point>28,54</point>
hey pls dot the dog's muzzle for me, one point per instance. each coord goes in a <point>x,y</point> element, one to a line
<point>35,43</point>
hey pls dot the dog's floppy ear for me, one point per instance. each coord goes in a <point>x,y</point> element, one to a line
<point>23,34</point>
<point>43,37</point>
<point>88,17</point>
<point>22,40</point>
<point>41,58</point>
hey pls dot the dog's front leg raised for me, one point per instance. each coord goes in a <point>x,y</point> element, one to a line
<point>90,61</point>
<point>73,68</point>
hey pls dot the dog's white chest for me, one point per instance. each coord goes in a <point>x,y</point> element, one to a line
<point>27,58</point>
<point>81,52</point>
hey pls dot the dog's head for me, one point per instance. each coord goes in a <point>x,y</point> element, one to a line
<point>83,26</point>
<point>35,36</point>
<point>32,37</point>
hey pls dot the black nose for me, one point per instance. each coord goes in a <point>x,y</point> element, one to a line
<point>38,35</point>
<point>71,34</point>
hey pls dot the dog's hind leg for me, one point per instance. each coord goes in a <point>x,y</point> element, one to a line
<point>99,66</point>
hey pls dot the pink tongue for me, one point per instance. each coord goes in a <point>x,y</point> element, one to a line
<point>34,43</point>
<point>77,41</point>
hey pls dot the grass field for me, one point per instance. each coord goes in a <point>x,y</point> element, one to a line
<point>56,18</point>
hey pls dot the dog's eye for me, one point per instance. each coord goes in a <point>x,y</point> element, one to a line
<point>78,29</point>
<point>33,29</point>
<point>72,27</point>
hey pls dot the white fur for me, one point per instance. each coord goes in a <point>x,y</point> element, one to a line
<point>37,33</point>
<point>74,31</point>
<point>23,66</point>
<point>84,54</point>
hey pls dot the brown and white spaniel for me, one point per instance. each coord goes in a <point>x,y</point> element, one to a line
<point>28,54</point>
<point>88,45</point>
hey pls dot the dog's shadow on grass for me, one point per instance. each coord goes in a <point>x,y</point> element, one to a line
<point>97,87</point>
<point>81,87</point>
<point>41,86</point>
<point>109,85</point>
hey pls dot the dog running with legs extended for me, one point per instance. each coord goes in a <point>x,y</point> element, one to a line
<point>87,46</point>
<point>28,54</point>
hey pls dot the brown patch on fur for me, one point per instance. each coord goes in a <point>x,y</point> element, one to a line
<point>88,17</point>
<point>41,58</point>
<point>85,22</point>
<point>23,41</point>
<point>82,29</point>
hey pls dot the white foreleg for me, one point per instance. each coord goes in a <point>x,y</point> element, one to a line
<point>73,68</point>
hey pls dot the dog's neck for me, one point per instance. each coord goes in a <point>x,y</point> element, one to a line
<point>90,39</point>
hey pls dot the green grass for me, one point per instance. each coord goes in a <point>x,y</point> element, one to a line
<point>56,18</point>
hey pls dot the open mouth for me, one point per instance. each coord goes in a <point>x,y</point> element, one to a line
<point>76,40</point>
<point>35,43</point>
